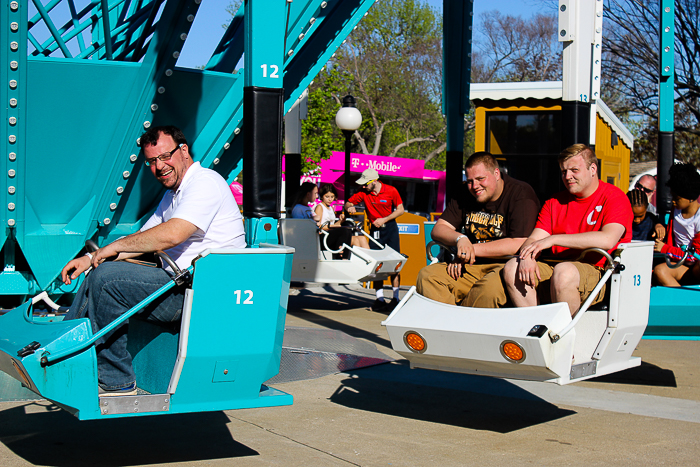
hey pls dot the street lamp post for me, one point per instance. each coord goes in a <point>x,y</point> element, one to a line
<point>348,120</point>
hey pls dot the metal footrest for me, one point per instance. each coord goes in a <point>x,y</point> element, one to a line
<point>140,403</point>
<point>583,369</point>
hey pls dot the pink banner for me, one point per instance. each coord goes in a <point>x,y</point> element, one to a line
<point>332,171</point>
<point>396,166</point>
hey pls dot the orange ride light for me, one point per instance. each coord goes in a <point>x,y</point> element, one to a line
<point>398,266</point>
<point>415,341</point>
<point>512,351</point>
<point>379,266</point>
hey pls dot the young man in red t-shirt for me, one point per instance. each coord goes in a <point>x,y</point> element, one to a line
<point>383,205</point>
<point>590,213</point>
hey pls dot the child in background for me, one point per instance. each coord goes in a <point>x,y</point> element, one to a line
<point>683,228</point>
<point>326,213</point>
<point>645,225</point>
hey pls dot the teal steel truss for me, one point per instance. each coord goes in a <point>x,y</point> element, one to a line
<point>81,85</point>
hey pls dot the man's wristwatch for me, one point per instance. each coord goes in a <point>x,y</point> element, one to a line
<point>459,238</point>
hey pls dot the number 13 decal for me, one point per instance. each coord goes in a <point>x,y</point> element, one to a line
<point>637,280</point>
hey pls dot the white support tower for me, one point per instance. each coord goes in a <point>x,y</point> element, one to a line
<point>581,31</point>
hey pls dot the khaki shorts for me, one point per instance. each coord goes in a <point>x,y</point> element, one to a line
<point>589,276</point>
<point>435,283</point>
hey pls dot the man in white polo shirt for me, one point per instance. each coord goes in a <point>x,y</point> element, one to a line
<point>197,212</point>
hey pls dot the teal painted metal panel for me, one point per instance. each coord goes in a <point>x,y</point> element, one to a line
<point>666,65</point>
<point>674,313</point>
<point>264,38</point>
<point>234,345</point>
<point>69,383</point>
<point>77,167</point>
<point>13,94</point>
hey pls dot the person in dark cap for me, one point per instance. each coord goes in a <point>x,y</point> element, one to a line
<point>683,229</point>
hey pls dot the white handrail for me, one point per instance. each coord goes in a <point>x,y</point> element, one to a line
<point>554,337</point>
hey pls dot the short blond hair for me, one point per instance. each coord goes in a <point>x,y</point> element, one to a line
<point>578,150</point>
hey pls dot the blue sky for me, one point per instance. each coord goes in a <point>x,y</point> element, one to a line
<point>207,31</point>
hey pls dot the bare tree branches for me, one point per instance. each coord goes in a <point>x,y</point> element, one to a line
<point>511,48</point>
<point>631,62</point>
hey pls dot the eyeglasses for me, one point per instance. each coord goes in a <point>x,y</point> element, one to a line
<point>646,190</point>
<point>163,157</point>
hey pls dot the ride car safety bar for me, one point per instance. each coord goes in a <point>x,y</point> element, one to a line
<point>48,358</point>
<point>611,266</point>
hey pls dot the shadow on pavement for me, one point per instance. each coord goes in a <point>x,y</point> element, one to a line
<point>56,438</point>
<point>335,298</point>
<point>646,374</point>
<point>473,402</point>
<point>326,322</point>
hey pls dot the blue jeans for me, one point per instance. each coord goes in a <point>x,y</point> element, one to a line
<point>109,291</point>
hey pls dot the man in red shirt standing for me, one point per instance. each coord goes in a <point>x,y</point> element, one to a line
<point>590,213</point>
<point>383,205</point>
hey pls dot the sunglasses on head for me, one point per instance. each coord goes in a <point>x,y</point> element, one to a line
<point>646,190</point>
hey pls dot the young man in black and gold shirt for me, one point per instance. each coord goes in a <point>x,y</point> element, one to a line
<point>492,219</point>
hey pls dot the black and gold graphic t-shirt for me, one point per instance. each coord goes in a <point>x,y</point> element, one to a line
<point>512,215</point>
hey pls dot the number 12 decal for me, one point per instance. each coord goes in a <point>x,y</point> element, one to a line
<point>249,297</point>
<point>274,69</point>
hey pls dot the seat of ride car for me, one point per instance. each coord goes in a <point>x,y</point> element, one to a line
<point>302,234</point>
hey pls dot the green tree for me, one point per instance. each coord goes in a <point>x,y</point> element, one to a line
<point>320,135</point>
<point>392,64</point>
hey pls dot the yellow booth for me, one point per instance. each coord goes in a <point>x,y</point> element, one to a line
<point>520,124</point>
